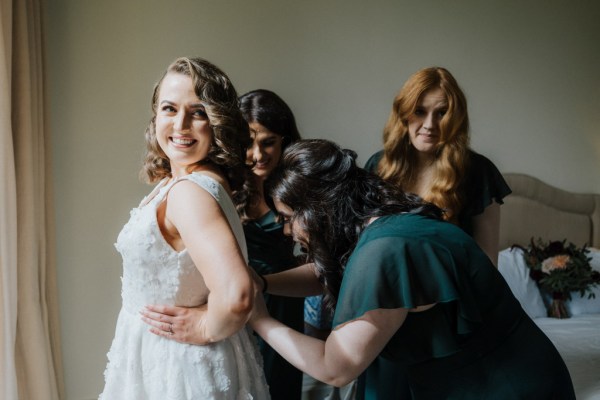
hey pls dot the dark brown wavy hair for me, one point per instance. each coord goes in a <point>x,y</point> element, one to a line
<point>398,164</point>
<point>231,136</point>
<point>269,110</point>
<point>333,199</point>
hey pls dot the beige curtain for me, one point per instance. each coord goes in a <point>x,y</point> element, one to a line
<point>30,360</point>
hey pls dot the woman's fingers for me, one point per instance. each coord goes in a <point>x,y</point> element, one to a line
<point>166,310</point>
<point>176,323</point>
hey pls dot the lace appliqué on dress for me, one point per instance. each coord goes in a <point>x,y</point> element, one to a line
<point>143,366</point>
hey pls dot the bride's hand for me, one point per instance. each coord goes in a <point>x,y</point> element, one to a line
<point>182,324</point>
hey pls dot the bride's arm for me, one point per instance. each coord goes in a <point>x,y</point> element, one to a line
<point>296,282</point>
<point>205,232</point>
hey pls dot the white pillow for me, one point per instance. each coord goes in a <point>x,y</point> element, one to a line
<point>594,254</point>
<point>582,305</point>
<point>511,265</point>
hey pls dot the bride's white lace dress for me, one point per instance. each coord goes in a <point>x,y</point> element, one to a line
<point>143,366</point>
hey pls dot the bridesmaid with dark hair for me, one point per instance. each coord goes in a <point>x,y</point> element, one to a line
<point>273,129</point>
<point>406,285</point>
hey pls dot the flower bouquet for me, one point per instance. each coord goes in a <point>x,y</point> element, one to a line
<point>559,269</point>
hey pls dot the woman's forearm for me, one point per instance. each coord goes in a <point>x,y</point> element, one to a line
<point>296,282</point>
<point>346,353</point>
<point>303,352</point>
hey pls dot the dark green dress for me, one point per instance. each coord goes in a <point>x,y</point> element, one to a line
<point>482,184</point>
<point>270,251</point>
<point>477,342</point>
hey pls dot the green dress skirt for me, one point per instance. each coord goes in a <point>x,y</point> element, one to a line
<point>270,251</point>
<point>475,343</point>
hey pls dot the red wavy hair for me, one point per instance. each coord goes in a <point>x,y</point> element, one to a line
<point>399,163</point>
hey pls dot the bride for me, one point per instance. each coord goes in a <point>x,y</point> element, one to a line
<point>184,245</point>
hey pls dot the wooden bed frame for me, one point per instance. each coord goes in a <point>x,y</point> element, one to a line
<point>536,209</point>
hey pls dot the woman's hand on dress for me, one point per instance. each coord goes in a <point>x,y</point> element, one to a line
<point>182,324</point>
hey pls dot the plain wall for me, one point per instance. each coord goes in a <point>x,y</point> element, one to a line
<point>529,71</point>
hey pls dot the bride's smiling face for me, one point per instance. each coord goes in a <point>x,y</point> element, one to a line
<point>183,130</point>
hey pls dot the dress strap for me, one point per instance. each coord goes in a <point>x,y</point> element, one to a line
<point>155,192</point>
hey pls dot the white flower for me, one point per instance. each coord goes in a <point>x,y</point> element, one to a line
<point>556,262</point>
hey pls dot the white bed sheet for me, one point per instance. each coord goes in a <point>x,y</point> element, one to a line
<point>578,341</point>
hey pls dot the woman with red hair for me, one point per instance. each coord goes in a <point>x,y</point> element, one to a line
<point>426,152</point>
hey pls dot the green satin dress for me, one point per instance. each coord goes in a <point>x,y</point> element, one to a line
<point>482,185</point>
<point>475,343</point>
<point>270,251</point>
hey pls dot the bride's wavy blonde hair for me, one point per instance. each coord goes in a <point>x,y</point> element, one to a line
<point>398,164</point>
<point>231,135</point>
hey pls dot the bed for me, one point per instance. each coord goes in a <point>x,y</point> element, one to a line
<point>536,209</point>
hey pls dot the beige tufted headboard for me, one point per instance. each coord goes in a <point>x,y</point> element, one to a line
<point>537,209</point>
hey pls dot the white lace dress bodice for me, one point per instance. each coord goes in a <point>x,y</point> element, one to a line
<point>143,366</point>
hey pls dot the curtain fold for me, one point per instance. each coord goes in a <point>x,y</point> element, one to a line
<point>31,358</point>
<point>8,212</point>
